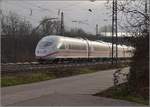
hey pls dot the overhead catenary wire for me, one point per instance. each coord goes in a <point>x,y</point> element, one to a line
<point>33,8</point>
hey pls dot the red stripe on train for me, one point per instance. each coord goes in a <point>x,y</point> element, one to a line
<point>51,54</point>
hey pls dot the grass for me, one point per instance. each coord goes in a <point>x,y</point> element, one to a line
<point>121,92</point>
<point>48,74</point>
<point>16,79</point>
<point>24,79</point>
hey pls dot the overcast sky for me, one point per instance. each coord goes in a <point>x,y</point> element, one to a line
<point>34,11</point>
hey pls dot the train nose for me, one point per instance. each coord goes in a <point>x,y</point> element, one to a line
<point>41,52</point>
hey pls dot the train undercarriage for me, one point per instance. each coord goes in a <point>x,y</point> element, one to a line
<point>80,60</point>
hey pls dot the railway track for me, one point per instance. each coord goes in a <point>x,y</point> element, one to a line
<point>29,66</point>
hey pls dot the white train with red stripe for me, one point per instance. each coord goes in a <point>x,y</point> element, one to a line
<point>54,47</point>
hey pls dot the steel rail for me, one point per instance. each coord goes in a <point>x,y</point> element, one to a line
<point>29,66</point>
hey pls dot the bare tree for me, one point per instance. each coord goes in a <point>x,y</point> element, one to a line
<point>17,42</point>
<point>136,20</point>
<point>48,26</point>
<point>135,15</point>
<point>12,24</point>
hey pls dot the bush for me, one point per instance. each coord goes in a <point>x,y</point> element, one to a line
<point>139,72</point>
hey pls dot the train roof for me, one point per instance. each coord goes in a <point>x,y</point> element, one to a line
<point>58,37</point>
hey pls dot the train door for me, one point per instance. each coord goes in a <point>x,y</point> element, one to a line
<point>109,51</point>
<point>88,48</point>
<point>123,51</point>
<point>87,44</point>
<point>66,50</point>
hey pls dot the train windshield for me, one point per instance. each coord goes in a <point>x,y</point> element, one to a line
<point>45,44</point>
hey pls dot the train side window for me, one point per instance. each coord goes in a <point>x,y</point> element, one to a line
<point>62,46</point>
<point>69,46</point>
<point>96,48</point>
<point>83,47</point>
<point>77,47</point>
<point>100,48</point>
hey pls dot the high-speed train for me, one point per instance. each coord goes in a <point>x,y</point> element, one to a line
<point>54,48</point>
